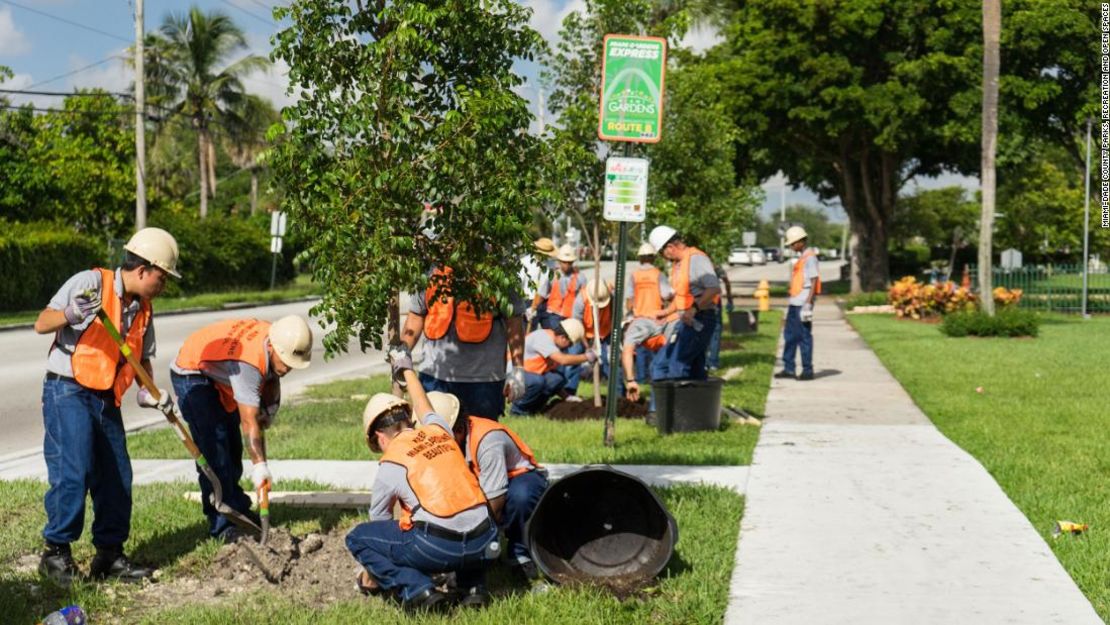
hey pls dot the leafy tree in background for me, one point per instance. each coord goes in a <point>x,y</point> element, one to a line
<point>815,220</point>
<point>941,219</point>
<point>245,139</point>
<point>403,104</point>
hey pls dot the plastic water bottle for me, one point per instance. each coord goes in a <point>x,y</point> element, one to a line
<point>69,615</point>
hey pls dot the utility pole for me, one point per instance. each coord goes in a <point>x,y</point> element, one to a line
<point>782,216</point>
<point>140,121</point>
<point>1086,219</point>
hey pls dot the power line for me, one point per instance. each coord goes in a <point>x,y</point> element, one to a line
<point>67,94</point>
<point>265,21</point>
<point>262,6</point>
<point>76,71</point>
<point>65,21</point>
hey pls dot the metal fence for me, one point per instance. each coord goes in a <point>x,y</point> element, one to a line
<point>1056,288</point>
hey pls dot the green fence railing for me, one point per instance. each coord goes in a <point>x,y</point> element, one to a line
<point>1056,288</point>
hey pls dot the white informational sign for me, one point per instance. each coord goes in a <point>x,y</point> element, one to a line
<point>748,238</point>
<point>626,184</point>
<point>1011,259</point>
<point>275,245</point>
<point>277,224</point>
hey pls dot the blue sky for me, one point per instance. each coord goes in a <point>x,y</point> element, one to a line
<point>38,49</point>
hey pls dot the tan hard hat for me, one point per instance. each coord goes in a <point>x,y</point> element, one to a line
<point>646,249</point>
<point>660,236</point>
<point>291,338</point>
<point>544,245</point>
<point>573,329</point>
<point>157,247</point>
<point>566,254</point>
<point>795,234</point>
<point>445,405</point>
<point>598,293</point>
<point>379,404</point>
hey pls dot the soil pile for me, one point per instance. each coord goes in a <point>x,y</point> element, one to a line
<point>585,409</point>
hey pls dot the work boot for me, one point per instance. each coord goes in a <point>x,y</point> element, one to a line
<point>430,600</point>
<point>476,597</point>
<point>57,565</point>
<point>806,376</point>
<point>524,572</point>
<point>110,563</point>
<point>785,375</point>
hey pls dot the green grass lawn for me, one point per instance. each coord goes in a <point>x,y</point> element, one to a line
<point>325,422</point>
<point>169,532</point>
<point>1039,426</point>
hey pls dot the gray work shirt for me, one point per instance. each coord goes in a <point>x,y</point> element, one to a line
<point>66,338</point>
<point>539,343</point>
<point>452,360</point>
<point>497,456</point>
<point>391,485</point>
<point>810,272</point>
<point>641,329</point>
<point>245,380</point>
<point>665,290</point>
<point>703,276</point>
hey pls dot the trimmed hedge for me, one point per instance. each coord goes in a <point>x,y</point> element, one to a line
<point>1009,321</point>
<point>870,298</point>
<point>40,257</point>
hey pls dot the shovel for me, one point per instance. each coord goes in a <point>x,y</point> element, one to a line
<point>173,415</point>
<point>264,510</point>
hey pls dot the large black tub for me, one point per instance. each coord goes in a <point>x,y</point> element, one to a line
<point>687,405</point>
<point>601,526</point>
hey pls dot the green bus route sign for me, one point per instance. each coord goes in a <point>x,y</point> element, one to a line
<point>632,73</point>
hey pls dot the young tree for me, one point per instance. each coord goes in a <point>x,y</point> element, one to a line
<point>403,104</point>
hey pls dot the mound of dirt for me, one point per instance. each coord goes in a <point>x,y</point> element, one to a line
<point>573,411</point>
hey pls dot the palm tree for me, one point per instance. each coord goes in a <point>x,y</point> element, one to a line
<point>992,30</point>
<point>245,140</point>
<point>196,48</point>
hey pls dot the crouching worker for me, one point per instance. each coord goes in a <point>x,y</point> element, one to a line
<point>445,522</point>
<point>227,377</point>
<point>507,471</point>
<point>544,353</point>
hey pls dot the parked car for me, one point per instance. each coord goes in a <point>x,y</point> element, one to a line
<point>758,257</point>
<point>773,254</point>
<point>739,256</point>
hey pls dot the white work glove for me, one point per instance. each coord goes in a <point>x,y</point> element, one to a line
<point>146,400</point>
<point>514,384</point>
<point>82,307</point>
<point>529,314</point>
<point>591,356</point>
<point>400,359</point>
<point>574,399</point>
<point>260,474</point>
<point>807,313</point>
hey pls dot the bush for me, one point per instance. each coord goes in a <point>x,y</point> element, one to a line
<point>916,300</point>
<point>1007,321</point>
<point>874,298</point>
<point>41,256</point>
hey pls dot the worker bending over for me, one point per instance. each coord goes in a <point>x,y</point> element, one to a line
<point>595,295</point>
<point>544,353</point>
<point>645,334</point>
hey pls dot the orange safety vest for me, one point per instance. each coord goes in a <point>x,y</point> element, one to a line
<point>680,278</point>
<point>479,427</point>
<point>469,326</point>
<point>234,339</point>
<point>538,364</point>
<point>436,471</point>
<point>797,277</point>
<point>604,318</point>
<point>646,297</point>
<point>560,303</point>
<point>96,357</point>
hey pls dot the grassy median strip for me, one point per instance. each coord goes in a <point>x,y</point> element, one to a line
<point>169,532</point>
<point>325,422</point>
<point>1037,422</point>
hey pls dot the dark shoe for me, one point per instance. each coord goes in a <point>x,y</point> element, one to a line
<point>524,572</point>
<point>110,563</point>
<point>785,375</point>
<point>806,376</point>
<point>476,597</point>
<point>431,600</point>
<point>57,565</point>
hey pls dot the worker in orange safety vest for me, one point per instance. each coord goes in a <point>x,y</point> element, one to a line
<point>648,290</point>
<point>805,285</point>
<point>559,291</point>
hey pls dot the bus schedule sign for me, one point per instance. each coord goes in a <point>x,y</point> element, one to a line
<point>632,71</point>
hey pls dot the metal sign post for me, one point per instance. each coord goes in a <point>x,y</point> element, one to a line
<point>1086,219</point>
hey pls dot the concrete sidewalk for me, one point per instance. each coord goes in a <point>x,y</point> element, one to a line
<point>860,512</point>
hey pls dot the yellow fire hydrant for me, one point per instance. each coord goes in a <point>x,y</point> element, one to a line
<point>763,294</point>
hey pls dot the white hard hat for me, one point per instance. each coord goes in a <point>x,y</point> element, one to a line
<point>646,249</point>
<point>573,329</point>
<point>566,253</point>
<point>445,405</point>
<point>379,404</point>
<point>157,247</point>
<point>660,235</point>
<point>291,338</point>
<point>598,293</point>
<point>795,234</point>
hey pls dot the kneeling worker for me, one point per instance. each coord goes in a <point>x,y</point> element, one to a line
<point>445,523</point>
<point>508,472</point>
<point>544,353</point>
<point>227,376</point>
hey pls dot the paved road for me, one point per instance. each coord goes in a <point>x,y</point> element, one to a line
<point>23,366</point>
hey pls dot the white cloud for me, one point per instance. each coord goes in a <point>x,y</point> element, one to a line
<point>548,15</point>
<point>12,41</point>
<point>114,76</point>
<point>270,84</point>
<point>701,37</point>
<point>22,81</point>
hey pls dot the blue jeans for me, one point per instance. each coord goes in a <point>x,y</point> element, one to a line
<point>85,449</point>
<point>551,321</point>
<point>538,389</point>
<point>216,433</point>
<point>795,335</point>
<point>403,560</point>
<point>713,356</point>
<point>684,358</point>
<point>643,360</point>
<point>477,399</point>
<point>524,493</point>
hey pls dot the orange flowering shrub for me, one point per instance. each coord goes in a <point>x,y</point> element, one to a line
<point>916,300</point>
<point>1006,297</point>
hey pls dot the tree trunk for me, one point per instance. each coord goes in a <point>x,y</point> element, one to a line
<point>211,162</point>
<point>393,334</point>
<point>867,189</point>
<point>254,190</point>
<point>596,321</point>
<point>202,151</point>
<point>992,30</point>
